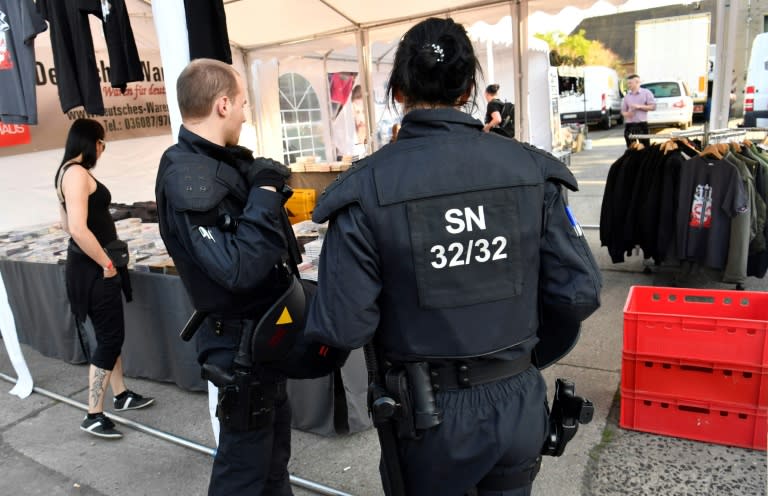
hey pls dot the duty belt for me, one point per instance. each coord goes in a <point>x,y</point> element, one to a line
<point>467,374</point>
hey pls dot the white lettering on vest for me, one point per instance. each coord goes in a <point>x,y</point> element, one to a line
<point>455,218</point>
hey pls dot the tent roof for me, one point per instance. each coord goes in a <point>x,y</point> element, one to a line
<point>317,27</point>
<point>257,24</point>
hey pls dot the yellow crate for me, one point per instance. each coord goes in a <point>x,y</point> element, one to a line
<point>300,205</point>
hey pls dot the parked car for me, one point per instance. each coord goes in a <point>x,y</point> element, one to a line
<point>674,104</point>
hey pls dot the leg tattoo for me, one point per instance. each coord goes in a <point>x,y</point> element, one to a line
<point>99,383</point>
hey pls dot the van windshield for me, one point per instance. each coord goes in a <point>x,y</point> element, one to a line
<point>663,90</point>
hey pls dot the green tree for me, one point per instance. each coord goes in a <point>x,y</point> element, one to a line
<point>576,49</point>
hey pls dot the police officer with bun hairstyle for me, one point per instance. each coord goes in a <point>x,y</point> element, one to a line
<point>222,220</point>
<point>451,251</point>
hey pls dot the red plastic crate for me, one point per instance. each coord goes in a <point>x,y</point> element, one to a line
<point>697,324</point>
<point>698,420</point>
<point>741,386</point>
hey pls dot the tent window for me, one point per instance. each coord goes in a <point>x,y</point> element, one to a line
<point>301,118</point>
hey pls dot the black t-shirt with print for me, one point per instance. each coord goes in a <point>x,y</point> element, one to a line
<point>711,193</point>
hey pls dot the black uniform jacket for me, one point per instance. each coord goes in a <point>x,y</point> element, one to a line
<point>451,242</point>
<point>231,274</point>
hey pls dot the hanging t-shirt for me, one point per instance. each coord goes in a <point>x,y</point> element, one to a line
<point>73,52</point>
<point>711,193</point>
<point>19,24</point>
<point>207,30</point>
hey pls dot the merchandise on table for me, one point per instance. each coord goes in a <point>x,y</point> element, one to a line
<point>48,244</point>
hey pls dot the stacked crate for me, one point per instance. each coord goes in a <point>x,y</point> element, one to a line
<point>300,205</point>
<point>695,364</point>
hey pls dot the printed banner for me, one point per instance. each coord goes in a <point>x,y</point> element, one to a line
<point>141,111</point>
<point>14,134</point>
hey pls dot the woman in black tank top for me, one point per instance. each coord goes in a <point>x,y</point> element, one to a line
<point>93,283</point>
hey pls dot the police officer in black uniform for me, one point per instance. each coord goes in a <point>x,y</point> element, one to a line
<point>223,222</point>
<point>452,249</point>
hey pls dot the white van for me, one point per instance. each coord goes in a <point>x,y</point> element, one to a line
<point>592,90</point>
<point>756,89</point>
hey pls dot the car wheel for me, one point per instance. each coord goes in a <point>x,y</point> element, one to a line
<point>607,122</point>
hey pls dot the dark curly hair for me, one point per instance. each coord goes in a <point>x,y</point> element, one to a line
<point>434,64</point>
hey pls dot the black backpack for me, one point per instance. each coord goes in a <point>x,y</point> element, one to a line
<point>507,123</point>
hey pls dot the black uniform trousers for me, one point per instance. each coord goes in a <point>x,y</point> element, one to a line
<point>636,128</point>
<point>487,431</point>
<point>253,462</point>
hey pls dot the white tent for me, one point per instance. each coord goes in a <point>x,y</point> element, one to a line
<point>270,39</point>
<point>320,27</point>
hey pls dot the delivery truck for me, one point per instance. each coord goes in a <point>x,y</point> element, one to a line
<point>756,88</point>
<point>675,49</point>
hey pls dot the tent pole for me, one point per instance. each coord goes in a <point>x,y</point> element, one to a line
<point>489,60</point>
<point>725,36</point>
<point>253,117</point>
<point>330,153</point>
<point>171,31</point>
<point>519,11</point>
<point>255,104</point>
<point>364,60</point>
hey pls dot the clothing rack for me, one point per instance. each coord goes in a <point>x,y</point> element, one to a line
<point>726,135</point>
<point>718,135</point>
<point>666,136</point>
<point>708,137</point>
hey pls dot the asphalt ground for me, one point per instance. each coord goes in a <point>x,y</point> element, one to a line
<point>43,452</point>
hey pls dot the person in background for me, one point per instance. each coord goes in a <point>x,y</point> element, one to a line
<point>358,109</point>
<point>94,285</point>
<point>449,262</point>
<point>493,109</point>
<point>635,106</point>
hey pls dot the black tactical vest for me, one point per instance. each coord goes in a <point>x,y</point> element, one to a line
<point>457,218</point>
<point>210,188</point>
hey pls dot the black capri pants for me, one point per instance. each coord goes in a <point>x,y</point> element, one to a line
<point>106,313</point>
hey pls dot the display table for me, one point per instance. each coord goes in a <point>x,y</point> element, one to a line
<point>153,349</point>
<point>312,180</point>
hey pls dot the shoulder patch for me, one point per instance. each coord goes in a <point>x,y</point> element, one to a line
<point>553,169</point>
<point>343,191</point>
<point>534,149</point>
<point>194,182</point>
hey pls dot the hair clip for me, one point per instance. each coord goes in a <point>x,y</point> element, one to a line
<point>437,50</point>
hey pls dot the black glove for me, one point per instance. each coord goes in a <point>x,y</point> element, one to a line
<point>264,172</point>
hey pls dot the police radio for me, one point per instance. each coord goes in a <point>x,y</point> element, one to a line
<point>568,411</point>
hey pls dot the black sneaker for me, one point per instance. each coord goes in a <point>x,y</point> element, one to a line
<point>100,426</point>
<point>132,401</point>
